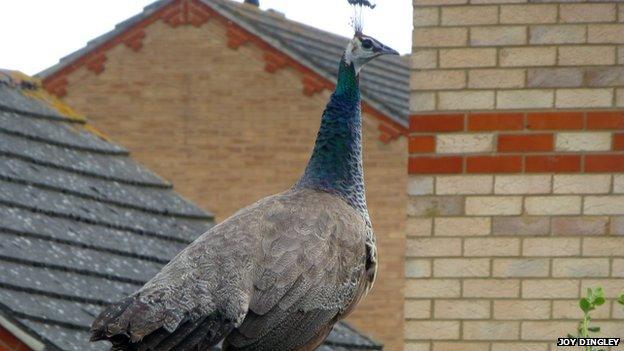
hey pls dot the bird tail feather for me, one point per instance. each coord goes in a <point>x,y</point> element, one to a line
<point>129,325</point>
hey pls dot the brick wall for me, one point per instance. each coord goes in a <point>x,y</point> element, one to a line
<point>226,132</point>
<point>8,342</point>
<point>516,188</point>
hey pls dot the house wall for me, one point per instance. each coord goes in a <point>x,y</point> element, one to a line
<point>516,188</point>
<point>226,132</point>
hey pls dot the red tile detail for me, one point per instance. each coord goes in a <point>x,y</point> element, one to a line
<point>496,121</point>
<point>433,165</point>
<point>437,123</point>
<point>555,120</point>
<point>494,164</point>
<point>525,142</point>
<point>553,163</point>
<point>605,120</point>
<point>604,163</point>
<point>421,144</point>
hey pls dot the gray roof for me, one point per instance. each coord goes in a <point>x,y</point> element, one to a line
<point>384,82</point>
<point>83,225</point>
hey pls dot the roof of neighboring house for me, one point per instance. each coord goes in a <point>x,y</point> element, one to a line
<point>81,224</point>
<point>384,83</point>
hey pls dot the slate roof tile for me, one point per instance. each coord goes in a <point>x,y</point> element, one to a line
<point>82,225</point>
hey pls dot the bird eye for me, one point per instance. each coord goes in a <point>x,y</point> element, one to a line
<point>367,43</point>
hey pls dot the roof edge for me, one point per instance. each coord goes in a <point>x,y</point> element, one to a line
<point>13,328</point>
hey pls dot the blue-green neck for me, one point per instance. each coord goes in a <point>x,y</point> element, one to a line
<point>336,162</point>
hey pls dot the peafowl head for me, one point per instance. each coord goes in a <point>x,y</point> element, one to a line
<point>363,49</point>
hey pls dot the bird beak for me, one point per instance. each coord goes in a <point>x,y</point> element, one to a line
<point>386,50</point>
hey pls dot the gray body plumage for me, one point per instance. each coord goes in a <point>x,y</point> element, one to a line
<point>275,276</point>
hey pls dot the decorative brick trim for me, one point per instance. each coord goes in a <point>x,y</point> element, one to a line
<point>134,40</point>
<point>9,342</point>
<point>576,141</point>
<point>196,13</point>
<point>274,61</point>
<point>96,64</point>
<point>186,12</point>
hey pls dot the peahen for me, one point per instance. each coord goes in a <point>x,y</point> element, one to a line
<point>278,274</point>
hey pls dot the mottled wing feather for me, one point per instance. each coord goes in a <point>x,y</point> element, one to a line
<point>312,272</point>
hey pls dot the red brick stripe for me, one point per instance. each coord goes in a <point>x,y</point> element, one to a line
<point>555,120</point>
<point>605,120</point>
<point>553,163</point>
<point>525,142</point>
<point>494,164</point>
<point>421,144</point>
<point>495,121</point>
<point>618,141</point>
<point>437,123</point>
<point>433,165</point>
<point>604,163</point>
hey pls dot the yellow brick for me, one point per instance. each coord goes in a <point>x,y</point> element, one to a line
<point>461,309</point>
<point>603,246</point>
<point>465,58</point>
<point>417,346</point>
<point>586,55</point>
<point>549,247</point>
<point>423,59</point>
<point>428,16</point>
<point>466,100</point>
<point>522,309</point>
<point>606,34</point>
<point>459,346</point>
<point>569,309</point>
<point>464,143</point>
<point>491,288</point>
<point>522,184</point>
<point>435,80</point>
<point>440,37</point>
<point>532,56</point>
<point>487,247</point>
<point>491,330</point>
<point>580,267</point>
<point>461,267</point>
<point>552,205</point>
<point>546,330</point>
<point>432,288</point>
<point>433,247</point>
<point>520,346</point>
<point>464,185</point>
<point>469,15</point>
<point>421,101</point>
<point>498,36</point>
<point>550,288</point>
<point>419,226</point>
<point>431,330</point>
<point>417,268</point>
<point>557,34</point>
<point>528,13</point>
<point>612,287</point>
<point>604,205</point>
<point>438,2</point>
<point>520,267</point>
<point>462,226</point>
<point>581,184</point>
<point>496,78</point>
<point>584,98</point>
<point>418,309</point>
<point>519,99</point>
<point>587,13</point>
<point>493,205</point>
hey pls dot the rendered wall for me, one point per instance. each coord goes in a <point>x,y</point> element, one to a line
<point>516,190</point>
